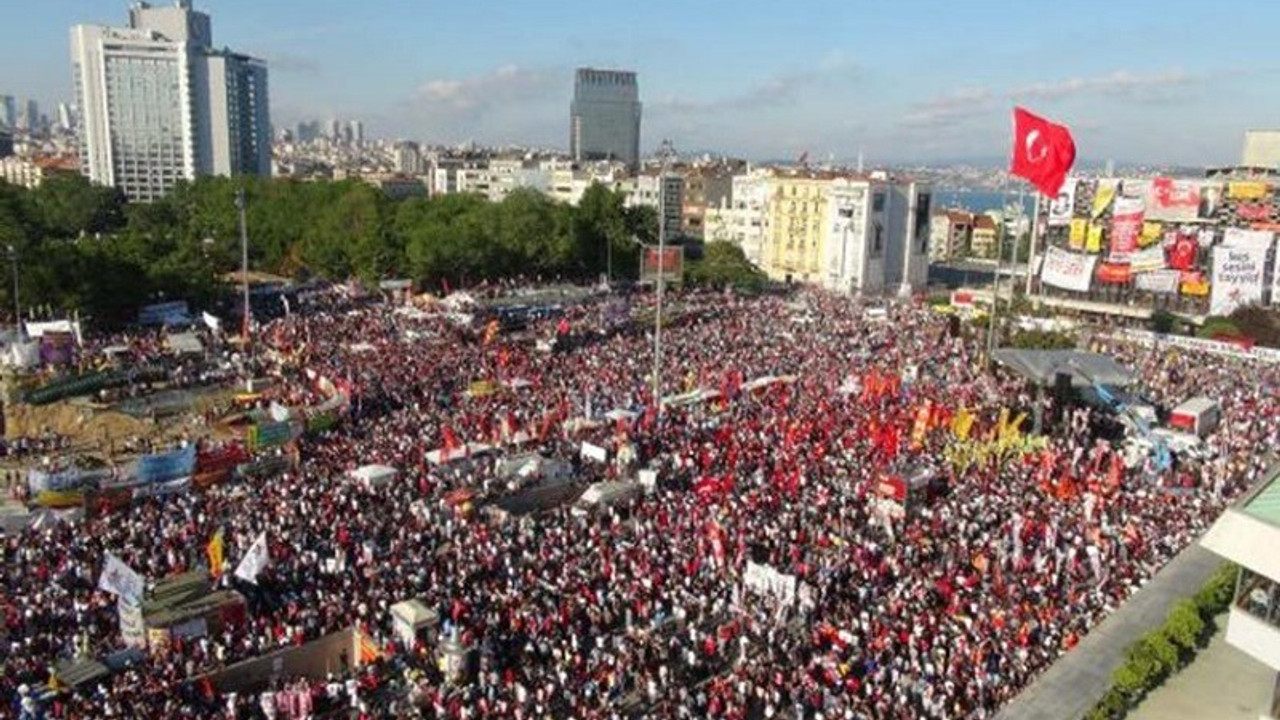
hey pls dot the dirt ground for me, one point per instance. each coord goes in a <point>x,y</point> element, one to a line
<point>96,430</point>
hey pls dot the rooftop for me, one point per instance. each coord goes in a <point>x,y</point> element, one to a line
<point>1265,504</point>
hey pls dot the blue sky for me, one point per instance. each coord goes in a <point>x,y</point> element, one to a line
<point>1170,82</point>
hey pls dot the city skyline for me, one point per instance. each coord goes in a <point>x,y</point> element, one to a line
<point>933,84</point>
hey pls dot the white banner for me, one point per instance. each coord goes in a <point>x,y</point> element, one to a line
<point>120,580</point>
<point>769,582</point>
<point>1147,260</point>
<point>1067,270</point>
<point>1063,207</point>
<point>594,452</point>
<point>254,561</point>
<point>211,321</point>
<point>1237,278</point>
<point>1242,239</point>
<point>1158,281</point>
<point>132,628</point>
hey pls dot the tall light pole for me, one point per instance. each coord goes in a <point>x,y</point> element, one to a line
<point>666,152</point>
<point>17,307</point>
<point>244,267</point>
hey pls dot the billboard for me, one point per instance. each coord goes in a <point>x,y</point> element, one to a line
<point>1066,270</point>
<point>1126,226</point>
<point>1173,200</point>
<point>1237,278</point>
<point>670,263</point>
<point>1062,208</point>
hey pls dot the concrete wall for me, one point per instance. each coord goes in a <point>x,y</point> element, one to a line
<point>314,660</point>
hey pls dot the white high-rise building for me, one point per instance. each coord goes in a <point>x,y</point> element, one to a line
<point>158,104</point>
<point>408,159</point>
<point>65,121</point>
<point>8,111</point>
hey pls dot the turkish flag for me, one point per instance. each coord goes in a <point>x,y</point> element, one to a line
<point>1043,152</point>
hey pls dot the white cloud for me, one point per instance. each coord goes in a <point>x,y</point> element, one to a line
<point>1120,83</point>
<point>477,93</point>
<point>949,108</point>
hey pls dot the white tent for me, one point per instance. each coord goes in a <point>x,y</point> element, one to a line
<point>375,475</point>
<point>410,616</point>
<point>440,456</point>
<point>185,343</point>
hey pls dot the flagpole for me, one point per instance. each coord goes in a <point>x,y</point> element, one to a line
<point>1033,244</point>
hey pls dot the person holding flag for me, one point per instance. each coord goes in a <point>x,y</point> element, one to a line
<point>216,552</point>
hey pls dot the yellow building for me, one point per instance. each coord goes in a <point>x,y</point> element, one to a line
<point>796,212</point>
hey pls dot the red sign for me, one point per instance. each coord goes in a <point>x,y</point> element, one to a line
<point>1114,273</point>
<point>1182,255</point>
<point>893,488</point>
<point>1126,227</point>
<point>1174,199</point>
<point>1253,211</point>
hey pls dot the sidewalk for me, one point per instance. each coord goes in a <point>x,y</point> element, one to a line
<point>1221,683</point>
<point>1073,684</point>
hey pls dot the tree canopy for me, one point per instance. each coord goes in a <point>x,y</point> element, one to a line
<point>83,247</point>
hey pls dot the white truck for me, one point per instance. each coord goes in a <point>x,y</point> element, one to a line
<point>1198,416</point>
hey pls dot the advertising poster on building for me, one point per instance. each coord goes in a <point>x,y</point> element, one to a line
<point>1147,260</point>
<point>1126,226</point>
<point>1246,190</point>
<point>1152,233</point>
<point>670,264</point>
<point>1102,198</point>
<point>1164,282</point>
<point>1173,200</point>
<point>1237,278</point>
<point>1066,270</point>
<point>1093,243</point>
<point>1079,231</point>
<point>1062,207</point>
<point>1247,239</point>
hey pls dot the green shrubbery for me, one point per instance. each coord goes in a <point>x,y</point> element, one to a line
<point>1167,649</point>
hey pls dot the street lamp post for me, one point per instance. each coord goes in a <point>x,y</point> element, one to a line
<point>17,307</point>
<point>666,152</point>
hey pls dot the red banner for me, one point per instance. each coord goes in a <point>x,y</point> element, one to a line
<point>1253,211</point>
<point>1171,199</point>
<point>1126,227</point>
<point>1114,273</point>
<point>1182,254</point>
<point>893,488</point>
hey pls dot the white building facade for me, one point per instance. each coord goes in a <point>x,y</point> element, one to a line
<point>159,105</point>
<point>877,237</point>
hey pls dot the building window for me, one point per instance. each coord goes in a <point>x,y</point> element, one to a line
<point>877,202</point>
<point>878,243</point>
<point>1259,596</point>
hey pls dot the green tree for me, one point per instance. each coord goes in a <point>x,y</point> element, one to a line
<point>600,224</point>
<point>1185,627</point>
<point>723,264</point>
<point>67,205</point>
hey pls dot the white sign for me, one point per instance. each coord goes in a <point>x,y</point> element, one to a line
<point>594,452</point>
<point>1158,281</point>
<point>120,579</point>
<point>769,582</point>
<point>1062,207</point>
<point>649,480</point>
<point>132,629</point>
<point>254,561</point>
<point>1237,278</point>
<point>1067,270</point>
<point>1146,260</point>
<point>1247,239</point>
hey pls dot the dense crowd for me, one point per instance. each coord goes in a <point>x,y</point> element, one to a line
<point>641,610</point>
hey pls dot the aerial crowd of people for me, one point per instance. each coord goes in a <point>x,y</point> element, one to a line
<point>944,605</point>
